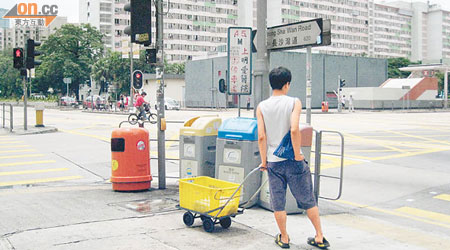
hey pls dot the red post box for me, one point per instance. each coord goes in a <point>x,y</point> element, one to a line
<point>130,159</point>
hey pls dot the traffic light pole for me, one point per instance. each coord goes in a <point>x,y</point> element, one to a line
<point>160,96</point>
<point>339,94</point>
<point>25,99</point>
<point>131,74</point>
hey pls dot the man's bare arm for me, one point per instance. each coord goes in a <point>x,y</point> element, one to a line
<point>295,130</point>
<point>262,138</point>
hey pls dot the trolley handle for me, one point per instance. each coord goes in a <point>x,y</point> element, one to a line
<point>234,193</point>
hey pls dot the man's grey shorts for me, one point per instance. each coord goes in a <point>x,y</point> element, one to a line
<point>296,174</point>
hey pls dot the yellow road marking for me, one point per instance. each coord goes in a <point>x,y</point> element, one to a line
<point>33,171</point>
<point>34,181</point>
<point>382,144</point>
<point>24,163</point>
<point>11,142</point>
<point>20,156</point>
<point>88,135</point>
<point>445,197</point>
<point>15,146</point>
<point>408,154</point>
<point>335,162</point>
<point>419,137</point>
<point>393,213</point>
<point>424,214</point>
<point>17,151</point>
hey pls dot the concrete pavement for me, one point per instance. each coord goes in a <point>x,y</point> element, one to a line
<point>95,217</point>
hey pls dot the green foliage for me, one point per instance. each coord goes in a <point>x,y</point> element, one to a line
<point>114,69</point>
<point>174,68</point>
<point>440,77</point>
<point>10,79</point>
<point>69,52</point>
<point>393,67</point>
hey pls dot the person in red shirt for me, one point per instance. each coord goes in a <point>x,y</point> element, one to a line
<point>140,105</point>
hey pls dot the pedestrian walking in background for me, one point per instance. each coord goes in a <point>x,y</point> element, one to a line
<point>343,102</point>
<point>351,108</point>
<point>248,103</point>
<point>279,116</point>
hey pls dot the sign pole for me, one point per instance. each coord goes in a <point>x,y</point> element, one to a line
<point>239,105</point>
<point>308,84</point>
<point>261,63</point>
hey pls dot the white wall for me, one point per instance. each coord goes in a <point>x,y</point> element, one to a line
<point>174,90</point>
<point>374,93</point>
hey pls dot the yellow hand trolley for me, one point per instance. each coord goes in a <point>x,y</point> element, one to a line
<point>213,201</point>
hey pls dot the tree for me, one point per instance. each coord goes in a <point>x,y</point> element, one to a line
<point>69,52</point>
<point>10,79</point>
<point>393,67</point>
<point>114,69</point>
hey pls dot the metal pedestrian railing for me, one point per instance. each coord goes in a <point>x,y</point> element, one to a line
<point>317,164</point>
<point>5,116</point>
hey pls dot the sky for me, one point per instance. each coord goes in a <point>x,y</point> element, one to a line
<point>69,8</point>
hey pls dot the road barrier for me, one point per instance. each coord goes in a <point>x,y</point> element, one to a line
<point>317,162</point>
<point>4,116</point>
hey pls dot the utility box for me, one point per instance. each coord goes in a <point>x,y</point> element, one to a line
<point>198,146</point>
<point>130,164</point>
<point>291,204</point>
<point>238,154</point>
<point>39,115</point>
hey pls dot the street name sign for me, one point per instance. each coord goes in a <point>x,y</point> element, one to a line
<point>239,61</point>
<point>316,32</point>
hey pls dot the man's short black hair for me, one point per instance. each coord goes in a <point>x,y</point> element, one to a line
<point>278,77</point>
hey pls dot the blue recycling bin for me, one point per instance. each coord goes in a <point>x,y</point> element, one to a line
<point>237,154</point>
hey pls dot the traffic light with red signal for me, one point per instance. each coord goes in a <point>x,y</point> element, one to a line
<point>137,79</point>
<point>18,58</point>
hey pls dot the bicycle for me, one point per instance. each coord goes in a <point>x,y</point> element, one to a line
<point>136,117</point>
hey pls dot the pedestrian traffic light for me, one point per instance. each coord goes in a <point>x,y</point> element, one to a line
<point>18,58</point>
<point>150,56</point>
<point>140,28</point>
<point>222,86</point>
<point>31,53</point>
<point>341,83</point>
<point>137,79</point>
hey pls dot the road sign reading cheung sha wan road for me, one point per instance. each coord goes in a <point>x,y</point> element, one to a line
<point>314,32</point>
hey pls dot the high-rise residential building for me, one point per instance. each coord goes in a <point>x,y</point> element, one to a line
<point>99,14</point>
<point>191,27</point>
<point>390,31</point>
<point>196,28</point>
<point>16,35</point>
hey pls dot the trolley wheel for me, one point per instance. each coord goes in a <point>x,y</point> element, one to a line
<point>188,219</point>
<point>208,225</point>
<point>225,222</point>
<point>202,217</point>
<point>132,119</point>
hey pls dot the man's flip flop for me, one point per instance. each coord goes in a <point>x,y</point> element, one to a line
<point>324,245</point>
<point>280,243</point>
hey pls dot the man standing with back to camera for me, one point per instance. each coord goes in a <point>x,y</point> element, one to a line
<point>277,116</point>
